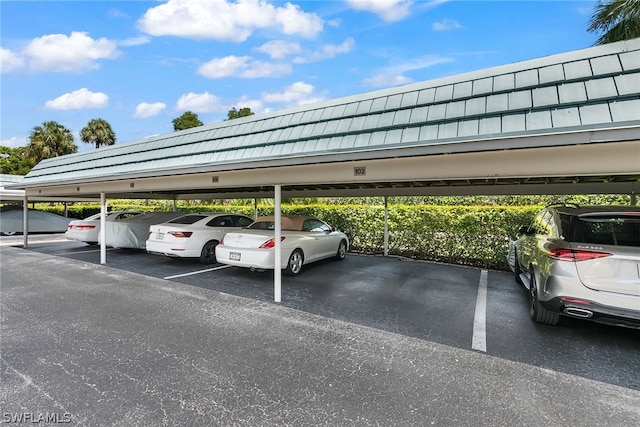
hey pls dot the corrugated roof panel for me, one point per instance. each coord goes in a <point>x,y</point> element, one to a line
<point>462,90</point>
<point>428,132</point>
<point>497,103</point>
<point>357,123</point>
<point>296,131</point>
<point>444,93</point>
<point>338,111</point>
<point>595,113</point>
<point>603,65</point>
<point>347,142</point>
<point>285,120</point>
<point>362,140</point>
<point>513,123</point>
<point>350,109</point>
<point>490,125</point>
<point>378,104</point>
<point>327,113</point>
<point>520,100</point>
<point>394,136</point>
<point>527,78</point>
<point>539,120</point>
<point>551,74</point>
<point>402,117</point>
<point>364,107</point>
<point>454,109</point>
<point>622,111</point>
<point>426,96</point>
<point>630,60</point>
<point>409,99</point>
<point>628,84</point>
<point>377,138</point>
<point>386,119</point>
<point>577,69</point>
<point>332,127</point>
<point>419,115</point>
<point>307,130</point>
<point>296,119</point>
<point>308,146</point>
<point>371,121</point>
<point>562,117</point>
<point>260,138</point>
<point>572,92</point>
<point>286,133</point>
<point>601,88</point>
<point>468,127</point>
<point>411,134</point>
<point>503,82</point>
<point>343,125</point>
<point>319,129</point>
<point>545,96</point>
<point>275,136</point>
<point>393,102</point>
<point>483,86</point>
<point>448,130</point>
<point>307,116</point>
<point>436,112</point>
<point>334,143</point>
<point>317,113</point>
<point>475,106</point>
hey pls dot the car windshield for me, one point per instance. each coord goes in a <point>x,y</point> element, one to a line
<point>622,230</point>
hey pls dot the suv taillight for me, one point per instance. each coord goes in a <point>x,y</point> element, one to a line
<point>270,243</point>
<point>576,255</point>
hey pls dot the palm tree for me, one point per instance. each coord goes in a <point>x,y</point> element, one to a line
<point>49,140</point>
<point>98,132</point>
<point>617,19</point>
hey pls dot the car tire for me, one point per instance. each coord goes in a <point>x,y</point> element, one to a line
<point>342,250</point>
<point>208,253</point>
<point>538,313</point>
<point>295,262</point>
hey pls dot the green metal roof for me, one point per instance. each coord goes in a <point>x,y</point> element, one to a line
<point>590,89</point>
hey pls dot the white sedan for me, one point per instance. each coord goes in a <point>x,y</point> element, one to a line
<point>304,240</point>
<point>193,235</point>
<point>88,230</point>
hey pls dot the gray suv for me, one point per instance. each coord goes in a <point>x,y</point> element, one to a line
<point>582,262</point>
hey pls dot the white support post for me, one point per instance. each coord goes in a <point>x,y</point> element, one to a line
<point>386,227</point>
<point>277,269</point>
<point>25,222</point>
<point>103,228</point>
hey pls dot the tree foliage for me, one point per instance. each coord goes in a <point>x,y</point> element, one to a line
<point>617,20</point>
<point>49,140</point>
<point>235,114</point>
<point>13,161</point>
<point>186,121</point>
<point>98,132</point>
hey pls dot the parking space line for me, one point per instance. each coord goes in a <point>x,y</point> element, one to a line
<point>196,272</point>
<point>479,341</point>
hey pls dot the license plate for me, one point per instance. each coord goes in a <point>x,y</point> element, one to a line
<point>234,256</point>
<point>159,236</point>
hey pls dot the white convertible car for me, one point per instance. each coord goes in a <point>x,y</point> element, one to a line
<point>304,240</point>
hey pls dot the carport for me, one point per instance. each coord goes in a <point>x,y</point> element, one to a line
<point>563,124</point>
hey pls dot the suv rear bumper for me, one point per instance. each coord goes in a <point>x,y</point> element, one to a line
<point>585,309</point>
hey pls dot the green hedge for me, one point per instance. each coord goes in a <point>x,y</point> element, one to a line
<point>467,235</point>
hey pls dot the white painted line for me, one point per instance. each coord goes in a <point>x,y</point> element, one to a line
<point>480,320</point>
<point>197,272</point>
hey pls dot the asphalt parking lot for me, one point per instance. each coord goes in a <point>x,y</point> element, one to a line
<point>149,340</point>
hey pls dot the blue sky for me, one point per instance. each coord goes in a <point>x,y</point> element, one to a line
<point>141,64</point>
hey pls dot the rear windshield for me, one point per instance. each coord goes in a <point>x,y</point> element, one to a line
<point>619,230</point>
<point>187,219</point>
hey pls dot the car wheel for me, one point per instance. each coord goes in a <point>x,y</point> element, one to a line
<point>9,233</point>
<point>538,313</point>
<point>208,253</point>
<point>342,250</point>
<point>294,265</point>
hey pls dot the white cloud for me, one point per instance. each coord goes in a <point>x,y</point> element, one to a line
<point>394,75</point>
<point>78,100</point>
<point>77,52</point>
<point>199,103</point>
<point>255,105</point>
<point>227,20</point>
<point>298,93</point>
<point>327,51</point>
<point>388,10</point>
<point>135,41</point>
<point>145,109</point>
<point>241,66</point>
<point>14,142</point>
<point>9,61</point>
<point>446,24</point>
<point>278,49</point>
